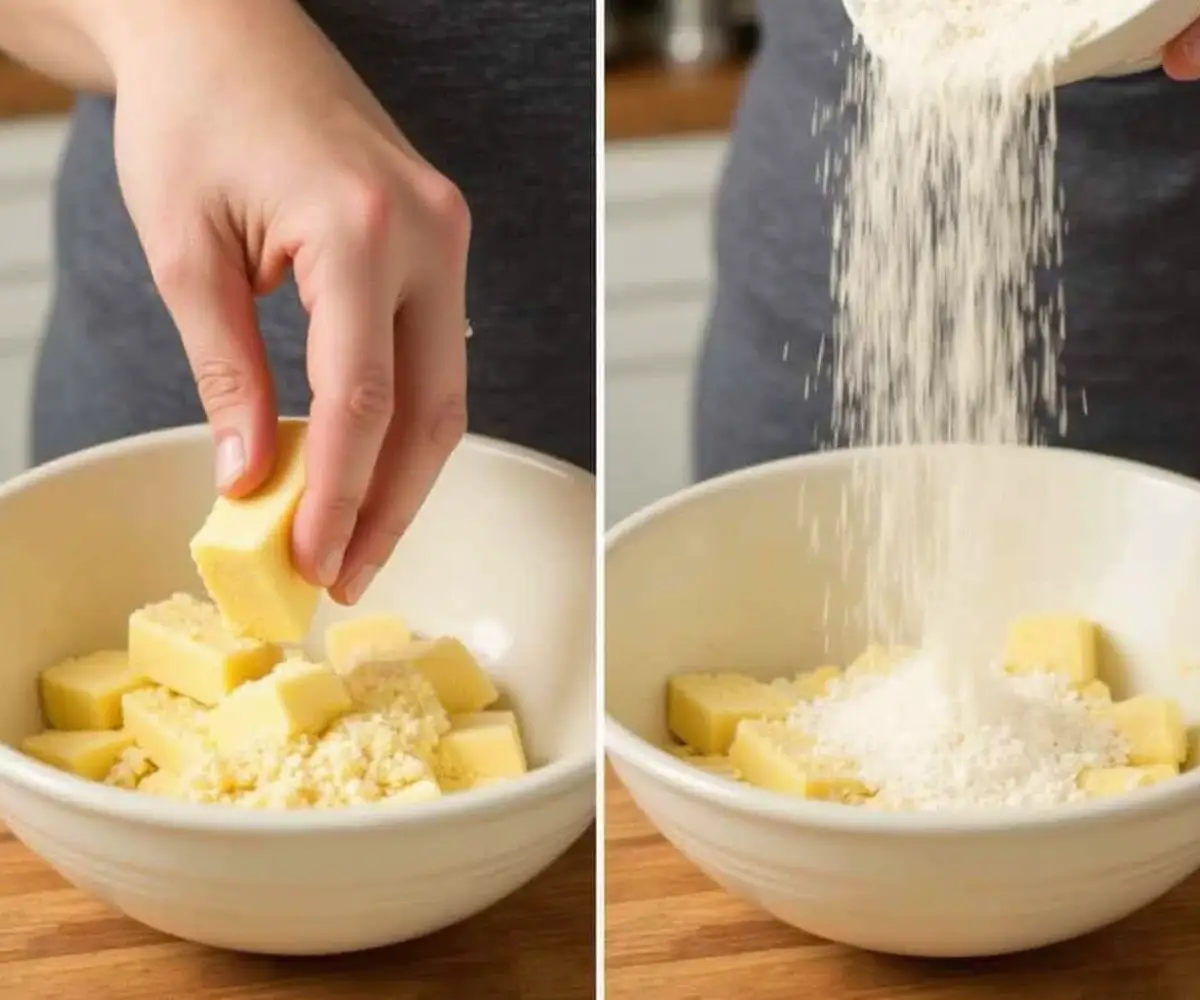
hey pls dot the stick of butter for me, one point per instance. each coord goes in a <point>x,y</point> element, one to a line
<point>461,684</point>
<point>168,727</point>
<point>374,637</point>
<point>85,693</point>
<point>244,552</point>
<point>295,698</point>
<point>480,746</point>
<point>182,643</point>
<point>84,753</point>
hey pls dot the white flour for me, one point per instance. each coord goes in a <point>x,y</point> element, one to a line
<point>910,736</point>
<point>947,207</point>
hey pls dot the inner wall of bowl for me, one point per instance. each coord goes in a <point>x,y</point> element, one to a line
<point>756,575</point>
<point>501,556</point>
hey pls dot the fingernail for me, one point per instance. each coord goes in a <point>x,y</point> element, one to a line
<point>231,461</point>
<point>359,582</point>
<point>331,568</point>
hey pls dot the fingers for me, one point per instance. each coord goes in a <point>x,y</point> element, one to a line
<point>1181,59</point>
<point>431,407</point>
<point>208,294</point>
<point>351,370</point>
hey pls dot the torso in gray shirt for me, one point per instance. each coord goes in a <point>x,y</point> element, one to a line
<point>1129,160</point>
<point>500,95</point>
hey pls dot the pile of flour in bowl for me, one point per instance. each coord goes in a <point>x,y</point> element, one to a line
<point>947,206</point>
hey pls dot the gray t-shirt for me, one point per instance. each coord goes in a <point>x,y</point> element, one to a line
<point>500,95</point>
<point>1129,161</point>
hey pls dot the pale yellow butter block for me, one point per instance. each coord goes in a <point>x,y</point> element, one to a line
<point>375,637</point>
<point>161,783</point>
<point>1095,693</point>
<point>703,710</point>
<point>423,790</point>
<point>1193,758</point>
<point>168,727</point>
<point>479,745</point>
<point>183,644</point>
<point>774,756</point>
<point>461,684</point>
<point>244,552</point>
<point>85,693</point>
<point>1059,643</point>
<point>89,754</point>
<point>296,698</point>
<point>1102,782</point>
<point>1153,728</point>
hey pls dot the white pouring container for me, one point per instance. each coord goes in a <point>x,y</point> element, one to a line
<point>1132,46</point>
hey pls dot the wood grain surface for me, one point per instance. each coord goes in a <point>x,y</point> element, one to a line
<point>671,934</point>
<point>57,942</point>
<point>652,101</point>
<point>23,92</point>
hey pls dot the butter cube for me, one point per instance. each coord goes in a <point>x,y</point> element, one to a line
<point>244,552</point>
<point>774,756</point>
<point>703,710</point>
<point>423,790</point>
<point>182,643</point>
<point>294,699</point>
<point>89,754</point>
<point>168,727</point>
<point>1193,760</point>
<point>1152,726</point>
<point>461,684</point>
<point>1095,693</point>
<point>376,637</point>
<point>161,783</point>
<point>1057,643</point>
<point>479,745</point>
<point>85,693</point>
<point>1103,782</point>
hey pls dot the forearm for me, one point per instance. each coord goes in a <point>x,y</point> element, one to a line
<point>65,39</point>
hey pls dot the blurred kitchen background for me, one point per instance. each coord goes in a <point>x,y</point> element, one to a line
<point>32,131</point>
<point>674,73</point>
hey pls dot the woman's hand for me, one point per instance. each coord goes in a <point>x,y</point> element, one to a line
<point>245,144</point>
<point>1181,59</point>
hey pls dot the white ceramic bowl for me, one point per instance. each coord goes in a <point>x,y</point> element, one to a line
<point>724,576</point>
<point>502,555</point>
<point>1133,45</point>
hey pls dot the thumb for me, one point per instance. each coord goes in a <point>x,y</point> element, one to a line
<point>1181,58</point>
<point>205,287</point>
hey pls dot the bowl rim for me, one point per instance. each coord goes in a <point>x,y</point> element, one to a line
<point>542,783</point>
<point>626,747</point>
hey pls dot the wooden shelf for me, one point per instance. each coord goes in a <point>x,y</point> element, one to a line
<point>653,100</point>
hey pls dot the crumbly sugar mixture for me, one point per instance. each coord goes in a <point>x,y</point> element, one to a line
<point>377,751</point>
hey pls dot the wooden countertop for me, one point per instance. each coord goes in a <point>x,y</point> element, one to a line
<point>24,93</point>
<point>58,942</point>
<point>652,101</point>
<point>674,935</point>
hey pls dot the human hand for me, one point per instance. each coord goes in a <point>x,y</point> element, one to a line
<point>1181,59</point>
<point>245,145</point>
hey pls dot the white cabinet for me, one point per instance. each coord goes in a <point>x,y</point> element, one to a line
<point>658,268</point>
<point>29,152</point>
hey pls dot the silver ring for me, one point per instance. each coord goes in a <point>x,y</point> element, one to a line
<point>470,332</point>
